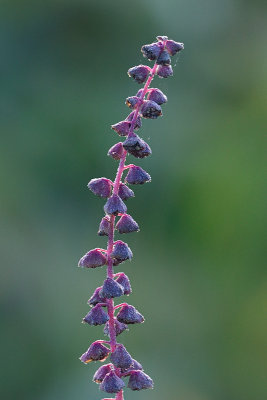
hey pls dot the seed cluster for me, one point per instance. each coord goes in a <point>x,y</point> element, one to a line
<point>145,104</point>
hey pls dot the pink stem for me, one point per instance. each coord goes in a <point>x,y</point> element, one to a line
<point>116,185</point>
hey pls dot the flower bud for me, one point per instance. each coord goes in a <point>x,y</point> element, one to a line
<point>111,383</point>
<point>137,175</point>
<point>139,73</point>
<point>164,58</point>
<point>122,128</point>
<point>101,187</point>
<point>94,258</point>
<point>137,147</point>
<point>173,47</point>
<point>151,51</point>
<point>119,328</point>
<point>115,205</point>
<point>136,366</point>
<point>124,281</point>
<point>96,297</point>
<point>116,151</point>
<point>121,358</point>
<point>129,315</point>
<point>139,93</point>
<point>151,109</point>
<point>139,380</point>
<point>132,101</point>
<point>125,192</point>
<point>164,71</point>
<point>102,372</point>
<point>121,251</point>
<point>127,224</point>
<point>157,96</point>
<point>96,352</point>
<point>111,289</point>
<point>138,122</point>
<point>104,227</point>
<point>97,316</point>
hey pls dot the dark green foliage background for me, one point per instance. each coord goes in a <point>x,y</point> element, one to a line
<point>198,274</point>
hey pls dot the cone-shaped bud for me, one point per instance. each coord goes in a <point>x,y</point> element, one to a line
<point>132,101</point>
<point>116,151</point>
<point>125,192</point>
<point>94,258</point>
<point>157,96</point>
<point>137,175</point>
<point>139,73</point>
<point>139,380</point>
<point>119,328</point>
<point>138,122</point>
<point>136,366</point>
<point>101,186</point>
<point>115,205</point>
<point>102,372</point>
<point>122,128</point>
<point>137,147</point>
<point>111,289</point>
<point>151,109</point>
<point>97,316</point>
<point>96,352</point>
<point>96,297</point>
<point>127,224</point>
<point>173,47</point>
<point>164,71</point>
<point>151,51</point>
<point>104,227</point>
<point>139,93</point>
<point>112,383</point>
<point>121,251</point>
<point>164,58</point>
<point>129,315</point>
<point>124,281</point>
<point>121,358</point>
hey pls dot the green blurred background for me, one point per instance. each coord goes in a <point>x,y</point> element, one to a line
<point>198,274</point>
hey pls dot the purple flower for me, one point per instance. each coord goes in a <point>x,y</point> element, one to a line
<point>127,224</point>
<point>96,297</point>
<point>101,187</point>
<point>115,205</point>
<point>116,151</point>
<point>137,175</point>
<point>121,251</point>
<point>124,281</point>
<point>102,372</point>
<point>111,289</point>
<point>164,71</point>
<point>150,109</point>
<point>138,122</point>
<point>157,96</point>
<point>112,383</point>
<point>151,51</point>
<point>119,327</point>
<point>125,192</point>
<point>122,128</point>
<point>136,366</point>
<point>94,258</point>
<point>139,380</point>
<point>97,316</point>
<point>164,58</point>
<point>96,352</point>
<point>137,146</point>
<point>139,73</point>
<point>129,315</point>
<point>173,47</point>
<point>121,358</point>
<point>132,101</point>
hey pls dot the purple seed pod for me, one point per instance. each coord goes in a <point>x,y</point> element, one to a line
<point>151,51</point>
<point>157,96</point>
<point>139,73</point>
<point>116,151</point>
<point>121,251</point>
<point>122,128</point>
<point>124,281</point>
<point>121,358</point>
<point>115,205</point>
<point>96,352</point>
<point>101,187</point>
<point>132,101</point>
<point>97,316</point>
<point>96,297</point>
<point>111,289</point>
<point>129,315</point>
<point>138,122</point>
<point>119,327</point>
<point>127,224</point>
<point>137,176</point>
<point>102,372</point>
<point>125,192</point>
<point>164,71</point>
<point>112,383</point>
<point>104,226</point>
<point>139,380</point>
<point>94,258</point>
<point>164,58</point>
<point>136,366</point>
<point>151,109</point>
<point>173,47</point>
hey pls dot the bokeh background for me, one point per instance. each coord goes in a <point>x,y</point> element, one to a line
<point>198,272</point>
